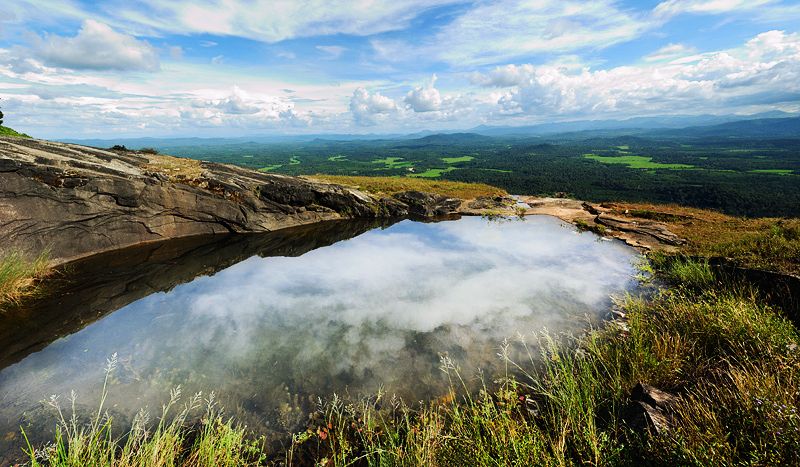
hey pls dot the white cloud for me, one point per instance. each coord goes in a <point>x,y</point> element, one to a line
<point>96,47</point>
<point>424,98</point>
<point>765,70</point>
<point>274,20</point>
<point>669,52</point>
<point>499,31</point>
<point>671,8</point>
<point>369,108</point>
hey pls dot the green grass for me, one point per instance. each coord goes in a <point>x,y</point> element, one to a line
<point>270,168</point>
<point>456,160</point>
<point>294,160</point>
<point>584,226</point>
<point>432,173</point>
<point>636,162</point>
<point>339,158</point>
<point>174,440</point>
<point>19,275</point>
<point>776,246</point>
<point>773,171</point>
<point>6,131</point>
<point>393,162</point>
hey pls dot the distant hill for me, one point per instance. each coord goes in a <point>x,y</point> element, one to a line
<point>616,127</point>
<point>759,128</point>
<point>445,139</point>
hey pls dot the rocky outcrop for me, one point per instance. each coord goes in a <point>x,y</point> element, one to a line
<point>654,229</point>
<point>428,204</point>
<point>77,201</point>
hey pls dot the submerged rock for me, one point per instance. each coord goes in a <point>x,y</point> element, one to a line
<point>77,201</point>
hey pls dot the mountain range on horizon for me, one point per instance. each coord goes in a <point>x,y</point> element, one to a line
<point>767,125</point>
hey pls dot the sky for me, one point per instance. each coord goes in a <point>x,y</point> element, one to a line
<point>128,68</point>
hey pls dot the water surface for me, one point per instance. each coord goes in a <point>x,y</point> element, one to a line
<point>270,334</point>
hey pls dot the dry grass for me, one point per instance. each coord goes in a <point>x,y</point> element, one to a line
<point>178,169</point>
<point>764,243</point>
<point>391,185</point>
<point>19,275</point>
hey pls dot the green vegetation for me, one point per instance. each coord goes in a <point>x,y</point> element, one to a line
<point>456,160</point>
<point>762,243</point>
<point>585,226</point>
<point>174,441</point>
<point>5,131</point>
<point>774,171</point>
<point>391,185</point>
<point>294,160</point>
<point>393,162</point>
<point>636,162</point>
<point>270,168</point>
<point>19,275</point>
<point>432,173</point>
<point>339,158</point>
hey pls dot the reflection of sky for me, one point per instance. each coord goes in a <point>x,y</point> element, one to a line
<point>376,309</point>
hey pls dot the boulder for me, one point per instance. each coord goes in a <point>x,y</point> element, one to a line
<point>428,204</point>
<point>653,229</point>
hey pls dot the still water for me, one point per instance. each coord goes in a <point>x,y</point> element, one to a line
<point>273,326</point>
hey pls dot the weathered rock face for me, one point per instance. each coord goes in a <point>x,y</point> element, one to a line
<point>427,204</point>
<point>76,201</point>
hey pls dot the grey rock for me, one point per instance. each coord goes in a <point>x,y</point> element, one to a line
<point>77,201</point>
<point>657,230</point>
<point>428,204</point>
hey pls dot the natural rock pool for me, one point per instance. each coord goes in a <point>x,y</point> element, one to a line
<point>271,331</point>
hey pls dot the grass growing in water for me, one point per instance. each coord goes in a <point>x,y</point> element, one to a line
<point>172,441</point>
<point>18,275</point>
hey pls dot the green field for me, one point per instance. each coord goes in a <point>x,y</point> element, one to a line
<point>339,158</point>
<point>774,171</point>
<point>393,162</point>
<point>636,162</point>
<point>456,160</point>
<point>433,173</point>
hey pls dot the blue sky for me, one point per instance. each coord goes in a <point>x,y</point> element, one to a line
<point>78,68</point>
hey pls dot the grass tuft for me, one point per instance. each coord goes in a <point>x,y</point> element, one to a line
<point>19,275</point>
